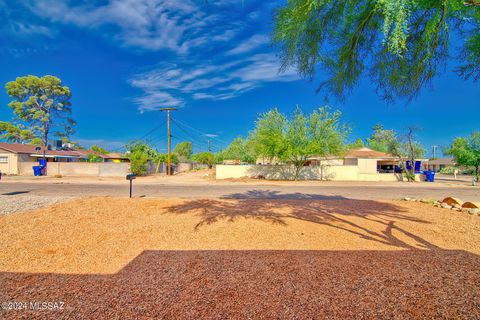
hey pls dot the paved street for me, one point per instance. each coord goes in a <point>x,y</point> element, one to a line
<point>368,191</point>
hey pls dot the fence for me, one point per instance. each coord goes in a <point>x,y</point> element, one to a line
<point>90,169</point>
<point>282,172</point>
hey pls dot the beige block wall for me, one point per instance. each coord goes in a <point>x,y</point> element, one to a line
<point>336,173</point>
<point>86,169</point>
<point>367,166</point>
<point>11,166</point>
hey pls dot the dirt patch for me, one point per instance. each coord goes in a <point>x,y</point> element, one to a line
<point>102,235</point>
<point>118,258</point>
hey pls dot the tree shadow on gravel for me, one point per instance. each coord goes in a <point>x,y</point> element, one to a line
<point>333,211</point>
<point>217,284</point>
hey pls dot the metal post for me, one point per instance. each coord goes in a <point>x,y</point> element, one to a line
<point>130,188</point>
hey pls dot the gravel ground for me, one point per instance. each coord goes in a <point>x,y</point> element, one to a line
<point>119,258</point>
<point>409,284</point>
<point>18,203</point>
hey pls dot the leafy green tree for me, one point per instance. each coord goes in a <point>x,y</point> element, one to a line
<point>98,149</point>
<point>466,151</point>
<point>139,153</point>
<point>143,147</point>
<point>294,140</point>
<point>357,144</point>
<point>404,148</point>
<point>94,158</point>
<point>385,141</point>
<point>183,151</point>
<point>203,157</point>
<point>139,162</point>
<point>400,44</point>
<point>42,105</point>
<point>163,157</point>
<point>16,133</point>
<point>240,149</point>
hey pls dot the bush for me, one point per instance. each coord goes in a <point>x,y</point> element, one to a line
<point>138,163</point>
<point>448,170</point>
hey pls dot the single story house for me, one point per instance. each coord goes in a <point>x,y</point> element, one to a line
<point>362,164</point>
<point>440,163</point>
<point>16,158</point>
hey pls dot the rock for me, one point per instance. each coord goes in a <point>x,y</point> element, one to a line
<point>406,199</point>
<point>451,201</point>
<point>445,205</point>
<point>457,206</point>
<point>472,205</point>
<point>456,209</point>
<point>474,211</point>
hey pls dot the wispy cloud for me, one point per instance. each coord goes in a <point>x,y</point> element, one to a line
<point>148,24</point>
<point>253,42</point>
<point>212,80</point>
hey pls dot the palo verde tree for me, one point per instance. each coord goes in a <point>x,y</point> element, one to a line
<point>293,140</point>
<point>41,107</point>
<point>466,151</point>
<point>400,44</point>
<point>239,149</point>
<point>404,148</point>
<point>183,151</point>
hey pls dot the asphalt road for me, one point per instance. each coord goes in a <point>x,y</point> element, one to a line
<point>367,192</point>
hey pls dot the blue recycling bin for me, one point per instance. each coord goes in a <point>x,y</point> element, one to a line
<point>429,176</point>
<point>42,162</point>
<point>37,171</point>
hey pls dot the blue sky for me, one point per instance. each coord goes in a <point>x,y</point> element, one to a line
<point>124,59</point>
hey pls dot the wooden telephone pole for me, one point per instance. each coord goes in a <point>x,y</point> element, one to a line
<point>169,138</point>
<point>209,160</point>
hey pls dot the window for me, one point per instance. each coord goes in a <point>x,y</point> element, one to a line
<point>3,159</point>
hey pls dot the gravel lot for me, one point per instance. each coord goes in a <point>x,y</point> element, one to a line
<point>18,203</point>
<point>118,258</point>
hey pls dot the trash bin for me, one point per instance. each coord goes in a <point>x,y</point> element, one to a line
<point>429,176</point>
<point>42,162</point>
<point>37,171</point>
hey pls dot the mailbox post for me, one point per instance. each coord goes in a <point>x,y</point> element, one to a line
<point>130,178</point>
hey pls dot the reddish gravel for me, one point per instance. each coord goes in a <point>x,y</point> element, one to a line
<point>406,284</point>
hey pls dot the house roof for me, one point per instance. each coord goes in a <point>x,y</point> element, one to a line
<point>366,153</point>
<point>31,150</point>
<point>442,161</point>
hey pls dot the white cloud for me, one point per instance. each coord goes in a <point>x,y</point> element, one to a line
<point>172,85</point>
<point>30,29</point>
<point>148,24</point>
<point>253,42</point>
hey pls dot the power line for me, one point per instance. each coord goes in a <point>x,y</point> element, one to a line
<point>202,133</point>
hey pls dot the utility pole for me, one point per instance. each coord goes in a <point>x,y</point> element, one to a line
<point>209,161</point>
<point>435,152</point>
<point>169,138</point>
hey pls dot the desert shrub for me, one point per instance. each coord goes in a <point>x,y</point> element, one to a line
<point>138,163</point>
<point>448,170</point>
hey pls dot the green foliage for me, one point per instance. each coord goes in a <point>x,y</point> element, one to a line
<point>16,133</point>
<point>202,157</point>
<point>94,158</point>
<point>41,104</point>
<point>400,44</point>
<point>356,145</point>
<point>467,151</point>
<point>163,157</point>
<point>295,139</point>
<point>138,162</point>
<point>98,149</point>
<point>142,147</point>
<point>449,170</point>
<point>239,149</point>
<point>183,151</point>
